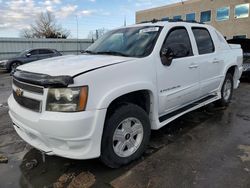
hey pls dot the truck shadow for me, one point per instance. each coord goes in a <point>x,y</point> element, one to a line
<point>36,173</point>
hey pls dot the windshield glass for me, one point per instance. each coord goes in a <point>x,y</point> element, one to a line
<point>23,53</point>
<point>130,42</point>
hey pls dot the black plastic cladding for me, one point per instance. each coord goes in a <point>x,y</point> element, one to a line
<point>43,79</point>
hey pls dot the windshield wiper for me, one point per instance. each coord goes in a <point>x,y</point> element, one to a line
<point>88,52</point>
<point>113,53</point>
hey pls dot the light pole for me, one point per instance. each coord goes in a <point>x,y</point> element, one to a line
<point>77,33</point>
<point>125,20</point>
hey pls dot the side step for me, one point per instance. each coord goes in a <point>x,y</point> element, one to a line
<point>173,115</point>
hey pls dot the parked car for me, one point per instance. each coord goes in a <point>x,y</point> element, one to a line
<point>245,45</point>
<point>28,56</point>
<point>134,79</point>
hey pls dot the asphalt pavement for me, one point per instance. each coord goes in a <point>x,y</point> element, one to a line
<point>209,147</point>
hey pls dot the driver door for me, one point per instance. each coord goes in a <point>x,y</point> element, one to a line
<point>31,56</point>
<point>178,83</point>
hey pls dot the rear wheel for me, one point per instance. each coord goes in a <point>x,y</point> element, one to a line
<point>126,135</point>
<point>226,91</point>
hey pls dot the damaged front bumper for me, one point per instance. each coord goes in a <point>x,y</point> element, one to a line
<point>75,135</point>
<point>71,135</point>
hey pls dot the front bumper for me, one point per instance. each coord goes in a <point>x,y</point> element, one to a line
<point>2,66</point>
<point>71,135</point>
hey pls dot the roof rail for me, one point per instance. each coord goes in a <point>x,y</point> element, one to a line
<point>170,20</point>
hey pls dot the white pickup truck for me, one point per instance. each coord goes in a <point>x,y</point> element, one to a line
<point>105,102</point>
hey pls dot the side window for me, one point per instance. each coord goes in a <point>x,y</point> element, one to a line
<point>178,37</point>
<point>33,52</point>
<point>203,40</point>
<point>45,51</point>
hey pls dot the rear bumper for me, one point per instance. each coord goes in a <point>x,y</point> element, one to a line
<point>71,135</point>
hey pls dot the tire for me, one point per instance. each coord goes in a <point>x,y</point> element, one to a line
<point>226,91</point>
<point>120,132</point>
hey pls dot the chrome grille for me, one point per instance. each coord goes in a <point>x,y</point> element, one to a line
<point>28,87</point>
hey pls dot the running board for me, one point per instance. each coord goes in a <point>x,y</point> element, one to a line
<point>173,115</point>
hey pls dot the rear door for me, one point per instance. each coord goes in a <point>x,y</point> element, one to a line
<point>209,61</point>
<point>178,83</point>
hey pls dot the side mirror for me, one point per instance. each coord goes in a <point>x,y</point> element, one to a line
<point>173,51</point>
<point>167,56</point>
<point>28,55</point>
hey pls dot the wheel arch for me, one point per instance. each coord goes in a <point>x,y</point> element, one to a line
<point>143,97</point>
<point>235,72</point>
<point>13,61</point>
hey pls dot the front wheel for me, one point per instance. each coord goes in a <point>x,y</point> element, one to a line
<point>226,91</point>
<point>14,65</point>
<point>126,135</point>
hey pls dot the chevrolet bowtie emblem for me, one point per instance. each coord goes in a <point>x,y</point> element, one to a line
<point>19,92</point>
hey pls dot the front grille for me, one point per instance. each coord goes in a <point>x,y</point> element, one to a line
<point>30,104</point>
<point>28,87</point>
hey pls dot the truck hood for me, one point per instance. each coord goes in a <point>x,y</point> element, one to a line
<point>72,65</point>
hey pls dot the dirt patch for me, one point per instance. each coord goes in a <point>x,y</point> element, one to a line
<point>246,156</point>
<point>83,180</point>
<point>63,180</point>
<point>3,159</point>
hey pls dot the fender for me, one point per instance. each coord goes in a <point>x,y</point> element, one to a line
<point>123,90</point>
<point>110,96</point>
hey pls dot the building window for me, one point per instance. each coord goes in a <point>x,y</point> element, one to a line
<point>239,37</point>
<point>165,18</point>
<point>177,17</point>
<point>190,17</point>
<point>222,13</point>
<point>241,11</point>
<point>206,16</point>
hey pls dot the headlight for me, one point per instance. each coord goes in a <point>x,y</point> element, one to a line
<point>67,99</point>
<point>3,62</point>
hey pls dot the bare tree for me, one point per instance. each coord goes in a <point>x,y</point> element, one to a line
<point>97,33</point>
<point>45,26</point>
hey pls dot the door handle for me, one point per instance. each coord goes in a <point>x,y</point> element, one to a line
<point>216,61</point>
<point>193,66</point>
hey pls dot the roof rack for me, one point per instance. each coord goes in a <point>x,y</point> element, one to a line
<point>170,20</point>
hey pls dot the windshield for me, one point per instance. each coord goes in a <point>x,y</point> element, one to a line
<point>23,53</point>
<point>130,42</point>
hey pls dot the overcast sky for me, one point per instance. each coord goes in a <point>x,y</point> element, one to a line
<point>92,14</point>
